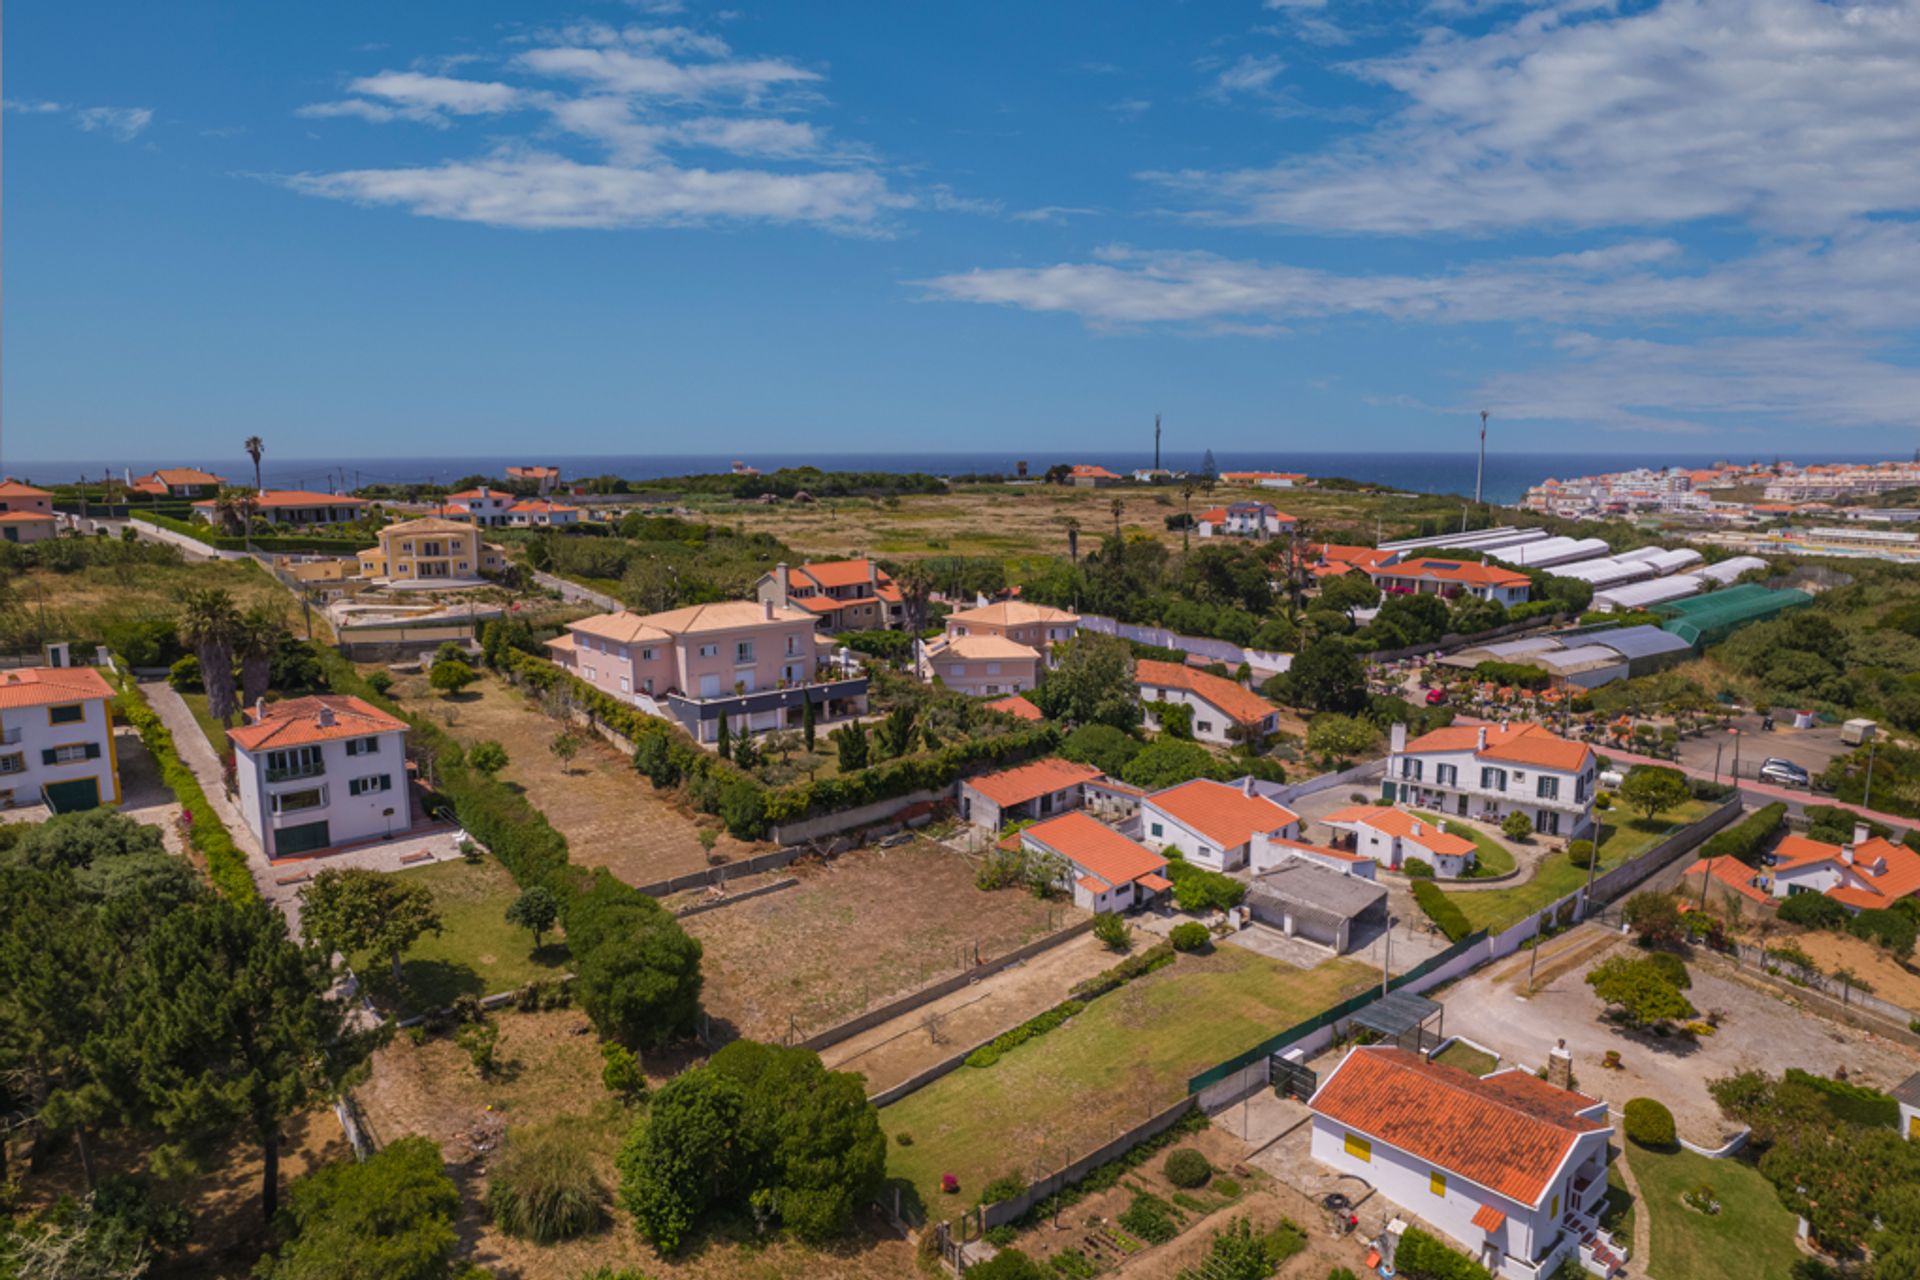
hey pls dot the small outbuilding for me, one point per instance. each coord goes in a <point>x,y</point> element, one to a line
<point>1305,900</point>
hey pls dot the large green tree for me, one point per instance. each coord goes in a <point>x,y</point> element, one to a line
<point>1654,789</point>
<point>638,971</point>
<point>389,1217</point>
<point>229,1028</point>
<point>1094,684</point>
<point>1638,992</point>
<point>354,911</point>
<point>1325,676</point>
<point>209,625</point>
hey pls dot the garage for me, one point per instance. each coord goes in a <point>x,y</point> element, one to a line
<point>1305,900</point>
<point>304,838</point>
<point>74,795</point>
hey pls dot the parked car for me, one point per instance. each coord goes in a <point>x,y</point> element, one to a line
<point>1436,697</point>
<point>1783,773</point>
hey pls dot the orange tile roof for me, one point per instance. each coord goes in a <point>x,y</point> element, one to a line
<point>1026,782</point>
<point>1322,850</point>
<point>1233,699</point>
<point>983,649</point>
<point>533,473</point>
<point>1222,812</point>
<point>1018,707</point>
<point>297,722</point>
<point>185,475</point>
<point>1088,471</point>
<point>1398,822</point>
<point>45,686</point>
<point>26,517</point>
<point>476,493</point>
<point>1154,882</point>
<point>1488,1218</point>
<point>12,488</point>
<point>1093,884</point>
<point>1507,1132</point>
<point>542,504</point>
<point>1887,870</point>
<point>1096,848</point>
<point>1216,516</point>
<point>1461,571</point>
<point>840,573</point>
<point>1012,613</point>
<point>1516,743</point>
<point>1732,873</point>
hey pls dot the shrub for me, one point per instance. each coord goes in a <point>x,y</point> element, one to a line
<point>1198,889</point>
<point>1134,966</point>
<point>1893,930</point>
<point>1649,1123</point>
<point>1813,911</point>
<point>1112,930</point>
<point>1150,1218</point>
<point>1748,838</point>
<point>1417,868</point>
<point>1001,1236</point>
<point>1187,1168</point>
<point>1226,1186</point>
<point>1004,1187</point>
<point>1452,921</point>
<point>184,674</point>
<point>1038,1025</point>
<point>226,863</point>
<point>621,1073</point>
<point>1189,936</point>
<point>1008,1264</point>
<point>1580,853</point>
<point>380,682</point>
<point>1422,1257</point>
<point>1603,801</point>
<point>1850,1103</point>
<point>1516,826</point>
<point>542,1186</point>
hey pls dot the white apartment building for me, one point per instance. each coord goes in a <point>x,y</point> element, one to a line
<point>56,739</point>
<point>1490,771</point>
<point>321,771</point>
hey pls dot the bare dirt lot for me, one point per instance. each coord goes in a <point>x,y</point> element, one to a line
<point>1761,1030</point>
<point>1835,951</point>
<point>611,816</point>
<point>857,931</point>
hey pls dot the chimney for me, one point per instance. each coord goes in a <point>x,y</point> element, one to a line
<point>1480,739</point>
<point>1560,1067</point>
<point>873,574</point>
<point>780,584</point>
<point>1246,785</point>
<point>1397,739</point>
<point>1846,854</point>
<point>1416,826</point>
<point>325,718</point>
<point>768,605</point>
<point>259,710</point>
<point>1861,833</point>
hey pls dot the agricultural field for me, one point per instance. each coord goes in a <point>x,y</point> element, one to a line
<point>612,817</point>
<point>1127,1056</point>
<point>854,933</point>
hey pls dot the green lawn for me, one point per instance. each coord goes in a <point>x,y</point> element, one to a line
<point>1621,839</point>
<point>478,952</point>
<point>1467,1058</point>
<point>1128,1056</point>
<point>215,732</point>
<point>1495,859</point>
<point>1751,1238</point>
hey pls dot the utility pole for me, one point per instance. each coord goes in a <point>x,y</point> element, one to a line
<point>1866,801</point>
<point>1480,472</point>
<point>1156,442</point>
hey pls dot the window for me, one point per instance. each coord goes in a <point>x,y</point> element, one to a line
<point>646,655</point>
<point>1158,831</point>
<point>1359,1148</point>
<point>1203,726</point>
<point>626,685</point>
<point>1446,775</point>
<point>296,762</point>
<point>1437,1182</point>
<point>370,784</point>
<point>72,713</point>
<point>363,746</point>
<point>993,668</point>
<point>71,753</point>
<point>1547,788</point>
<point>709,650</point>
<point>297,801</point>
<point>743,651</point>
<point>1554,1213</point>
<point>1412,768</point>
<point>15,763</point>
<point>1493,779</point>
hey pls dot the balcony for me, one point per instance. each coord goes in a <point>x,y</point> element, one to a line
<point>293,772</point>
<point>690,710</point>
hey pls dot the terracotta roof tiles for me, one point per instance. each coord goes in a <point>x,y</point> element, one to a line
<point>1026,782</point>
<point>299,722</point>
<point>46,686</point>
<point>1233,699</point>
<point>1222,812</point>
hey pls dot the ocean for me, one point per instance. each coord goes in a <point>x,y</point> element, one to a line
<point>1508,475</point>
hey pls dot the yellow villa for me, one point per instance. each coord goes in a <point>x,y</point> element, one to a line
<point>431,552</point>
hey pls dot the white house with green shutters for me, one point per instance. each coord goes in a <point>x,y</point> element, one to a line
<point>321,771</point>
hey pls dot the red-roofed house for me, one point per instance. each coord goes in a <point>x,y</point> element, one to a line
<point>26,513</point>
<point>178,482</point>
<point>1393,835</point>
<point>1018,707</point>
<point>1727,877</point>
<point>1089,476</point>
<point>1428,576</point>
<point>1243,520</point>
<point>1513,1168</point>
<point>1223,710</point>
<point>56,724</point>
<point>292,506</point>
<point>485,506</point>
<point>846,595</point>
<point>1867,873</point>
<point>1107,871</point>
<point>548,478</point>
<point>1489,771</point>
<point>1037,789</point>
<point>320,771</point>
<point>1215,825</point>
<point>541,513</point>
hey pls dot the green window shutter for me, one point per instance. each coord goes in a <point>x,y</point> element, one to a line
<point>93,751</point>
<point>49,756</point>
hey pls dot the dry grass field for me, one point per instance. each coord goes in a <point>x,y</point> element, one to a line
<point>856,932</point>
<point>81,604</point>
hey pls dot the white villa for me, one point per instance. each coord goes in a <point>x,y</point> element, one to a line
<point>1489,771</point>
<point>56,739</point>
<point>321,771</point>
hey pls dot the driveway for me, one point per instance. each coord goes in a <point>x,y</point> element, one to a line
<point>1812,749</point>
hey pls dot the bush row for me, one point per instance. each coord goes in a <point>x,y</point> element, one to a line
<point>1747,838</point>
<point>988,1054</point>
<point>909,773</point>
<point>497,816</point>
<point>292,544</point>
<point>226,862</point>
<point>1442,910</point>
<point>1851,1103</point>
<point>1101,1177</point>
<point>1138,965</point>
<point>1134,966</point>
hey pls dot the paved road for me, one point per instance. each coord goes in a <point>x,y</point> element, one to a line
<point>1761,793</point>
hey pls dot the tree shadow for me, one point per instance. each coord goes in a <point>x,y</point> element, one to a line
<point>430,984</point>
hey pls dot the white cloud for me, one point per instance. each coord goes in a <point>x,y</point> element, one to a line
<point>1251,73</point>
<point>449,94</point>
<point>373,112</point>
<point>1131,108</point>
<point>543,191</point>
<point>1795,113</point>
<point>32,107</point>
<point>1053,213</point>
<point>751,137</point>
<point>653,76</point>
<point>124,123</point>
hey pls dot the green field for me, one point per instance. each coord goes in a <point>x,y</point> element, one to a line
<point>477,952</point>
<point>1128,1056</point>
<point>1494,858</point>
<point>1751,1238</point>
<point>215,733</point>
<point>1621,840</point>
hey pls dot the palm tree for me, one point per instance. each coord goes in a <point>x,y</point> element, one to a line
<point>916,585</point>
<point>230,512</point>
<point>254,447</point>
<point>255,641</point>
<point>1186,499</point>
<point>1118,507</point>
<point>209,624</point>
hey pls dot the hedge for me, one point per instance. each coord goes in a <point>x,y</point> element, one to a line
<point>1134,966</point>
<point>909,773</point>
<point>226,862</point>
<point>1746,839</point>
<point>1442,910</point>
<point>1424,1257</point>
<point>1648,1123</point>
<point>498,816</point>
<point>988,1054</point>
<point>293,545</point>
<point>1851,1103</point>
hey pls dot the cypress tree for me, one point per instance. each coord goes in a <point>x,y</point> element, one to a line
<point>726,738</point>
<point>806,722</point>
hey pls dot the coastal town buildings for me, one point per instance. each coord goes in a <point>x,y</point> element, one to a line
<point>846,595</point>
<point>290,507</point>
<point>431,552</point>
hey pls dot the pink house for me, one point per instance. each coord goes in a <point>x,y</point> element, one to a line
<point>754,663</point>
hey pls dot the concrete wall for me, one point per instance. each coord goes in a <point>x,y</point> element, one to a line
<point>1003,1211</point>
<point>192,546</point>
<point>828,824</point>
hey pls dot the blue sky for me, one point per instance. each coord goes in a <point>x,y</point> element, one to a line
<point>460,226</point>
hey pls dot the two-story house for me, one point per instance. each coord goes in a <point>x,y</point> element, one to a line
<point>1867,873</point>
<point>486,507</point>
<point>1224,711</point>
<point>1449,578</point>
<point>1511,1167</point>
<point>1489,771</point>
<point>547,478</point>
<point>26,513</point>
<point>752,662</point>
<point>846,595</point>
<point>431,552</point>
<point>56,739</point>
<point>985,666</point>
<point>321,771</point>
<point>178,482</point>
<point>1244,520</point>
<point>1040,627</point>
<point>292,506</point>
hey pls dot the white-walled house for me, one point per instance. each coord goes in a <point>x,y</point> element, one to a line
<point>1867,873</point>
<point>1214,824</point>
<point>1273,852</point>
<point>1037,789</point>
<point>1489,771</point>
<point>1244,520</point>
<point>56,739</point>
<point>1391,836</point>
<point>321,771</point>
<point>1224,711</point>
<point>1106,871</point>
<point>1511,1167</point>
<point>1424,575</point>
